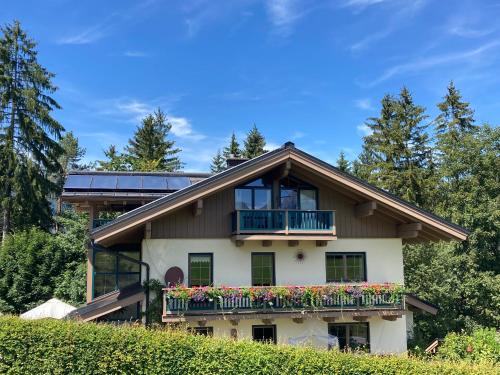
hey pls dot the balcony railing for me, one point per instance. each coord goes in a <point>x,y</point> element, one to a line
<point>283,221</point>
<point>193,301</point>
<point>99,222</point>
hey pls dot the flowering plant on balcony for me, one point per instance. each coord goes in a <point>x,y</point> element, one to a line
<point>292,295</point>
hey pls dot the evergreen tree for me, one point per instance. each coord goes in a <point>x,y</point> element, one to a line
<point>72,155</point>
<point>343,164</point>
<point>254,144</point>
<point>28,134</point>
<point>150,150</point>
<point>218,163</point>
<point>233,148</point>
<point>115,161</point>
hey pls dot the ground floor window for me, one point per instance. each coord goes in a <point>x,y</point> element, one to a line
<point>351,335</point>
<point>204,331</point>
<point>264,333</point>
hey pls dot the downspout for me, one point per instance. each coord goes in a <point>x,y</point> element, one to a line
<point>140,262</point>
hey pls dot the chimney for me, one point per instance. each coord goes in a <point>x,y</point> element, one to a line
<point>231,161</point>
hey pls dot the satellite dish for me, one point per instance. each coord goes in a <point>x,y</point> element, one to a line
<point>174,276</point>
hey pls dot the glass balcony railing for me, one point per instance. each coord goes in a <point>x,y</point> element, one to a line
<point>283,221</point>
<point>99,222</point>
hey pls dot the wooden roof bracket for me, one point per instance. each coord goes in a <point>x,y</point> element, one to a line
<point>365,209</point>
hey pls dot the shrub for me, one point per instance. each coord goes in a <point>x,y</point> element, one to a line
<point>483,345</point>
<point>55,347</point>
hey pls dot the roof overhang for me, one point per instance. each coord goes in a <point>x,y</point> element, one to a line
<point>421,305</point>
<point>442,229</point>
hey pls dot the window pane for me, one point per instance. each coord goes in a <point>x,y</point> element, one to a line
<point>125,280</point>
<point>262,199</point>
<point>355,267</point>
<point>204,331</point>
<point>307,199</point>
<point>243,199</point>
<point>339,331</point>
<point>288,199</point>
<point>264,333</point>
<point>125,265</point>
<point>104,262</point>
<point>104,283</point>
<point>200,270</point>
<point>334,268</point>
<point>262,269</point>
<point>358,335</point>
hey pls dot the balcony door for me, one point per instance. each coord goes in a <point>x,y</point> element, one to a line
<point>255,195</point>
<point>297,195</point>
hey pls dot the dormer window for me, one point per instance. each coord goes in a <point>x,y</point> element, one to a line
<point>297,195</point>
<point>255,195</point>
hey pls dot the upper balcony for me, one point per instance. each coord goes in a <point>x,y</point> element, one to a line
<point>287,222</point>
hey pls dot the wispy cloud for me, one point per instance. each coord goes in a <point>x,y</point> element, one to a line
<point>430,62</point>
<point>365,104</point>
<point>132,53</point>
<point>469,23</point>
<point>363,130</point>
<point>87,36</point>
<point>284,14</point>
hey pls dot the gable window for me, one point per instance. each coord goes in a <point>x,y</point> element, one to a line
<point>255,195</point>
<point>351,335</point>
<point>264,333</point>
<point>263,269</point>
<point>297,195</point>
<point>344,267</point>
<point>200,269</point>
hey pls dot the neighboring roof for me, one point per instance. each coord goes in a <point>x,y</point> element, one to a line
<point>259,165</point>
<point>53,308</point>
<point>95,183</point>
<point>420,304</point>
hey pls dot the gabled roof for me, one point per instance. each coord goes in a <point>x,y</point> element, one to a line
<point>259,165</point>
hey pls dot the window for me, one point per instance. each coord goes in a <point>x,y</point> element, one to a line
<point>297,195</point>
<point>112,272</point>
<point>351,335</point>
<point>255,195</point>
<point>264,333</point>
<point>343,267</point>
<point>263,269</point>
<point>204,331</point>
<point>200,269</point>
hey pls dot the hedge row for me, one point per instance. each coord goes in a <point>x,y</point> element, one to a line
<point>43,347</point>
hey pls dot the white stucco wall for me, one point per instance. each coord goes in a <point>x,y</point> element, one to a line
<point>232,265</point>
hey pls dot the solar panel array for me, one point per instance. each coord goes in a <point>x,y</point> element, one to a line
<point>125,182</point>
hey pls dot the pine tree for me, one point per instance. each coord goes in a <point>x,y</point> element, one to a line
<point>218,163</point>
<point>343,164</point>
<point>233,148</point>
<point>28,133</point>
<point>73,153</point>
<point>254,144</point>
<point>149,149</point>
<point>115,161</point>
<point>456,115</point>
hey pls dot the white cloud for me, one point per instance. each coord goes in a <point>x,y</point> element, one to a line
<point>271,146</point>
<point>365,104</point>
<point>298,135</point>
<point>87,36</point>
<point>469,23</point>
<point>432,61</point>
<point>283,14</point>
<point>363,3</point>
<point>363,130</point>
<point>132,53</point>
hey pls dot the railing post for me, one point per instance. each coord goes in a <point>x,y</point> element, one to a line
<point>238,222</point>
<point>164,303</point>
<point>286,221</point>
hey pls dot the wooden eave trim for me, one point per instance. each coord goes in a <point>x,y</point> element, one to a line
<point>421,305</point>
<point>194,195</point>
<point>380,197</point>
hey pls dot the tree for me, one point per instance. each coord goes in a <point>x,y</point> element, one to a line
<point>28,134</point>
<point>233,148</point>
<point>149,148</point>
<point>72,155</point>
<point>343,164</point>
<point>218,163</point>
<point>254,144</point>
<point>115,161</point>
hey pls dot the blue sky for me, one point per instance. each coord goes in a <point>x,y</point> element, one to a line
<point>306,71</point>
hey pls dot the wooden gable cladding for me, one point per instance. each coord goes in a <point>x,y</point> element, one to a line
<point>213,221</point>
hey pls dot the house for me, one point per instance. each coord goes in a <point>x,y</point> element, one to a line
<point>283,247</point>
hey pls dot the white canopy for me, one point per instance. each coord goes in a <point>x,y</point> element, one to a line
<point>53,308</point>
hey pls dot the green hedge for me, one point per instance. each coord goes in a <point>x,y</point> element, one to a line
<point>43,347</point>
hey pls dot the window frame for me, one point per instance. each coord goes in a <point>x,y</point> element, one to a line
<point>203,331</point>
<point>301,185</point>
<point>211,255</point>
<point>348,326</point>
<point>252,189</point>
<point>344,257</point>
<point>273,257</point>
<point>273,326</point>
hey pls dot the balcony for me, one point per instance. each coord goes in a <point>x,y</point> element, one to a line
<point>284,222</point>
<point>326,300</point>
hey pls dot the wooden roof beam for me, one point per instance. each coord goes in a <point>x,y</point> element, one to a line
<point>365,209</point>
<point>410,230</point>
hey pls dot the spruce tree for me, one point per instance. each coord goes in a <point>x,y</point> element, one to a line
<point>343,164</point>
<point>28,133</point>
<point>218,163</point>
<point>233,148</point>
<point>73,153</point>
<point>149,149</point>
<point>115,161</point>
<point>254,144</point>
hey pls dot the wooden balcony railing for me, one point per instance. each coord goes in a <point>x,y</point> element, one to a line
<point>284,221</point>
<point>180,300</point>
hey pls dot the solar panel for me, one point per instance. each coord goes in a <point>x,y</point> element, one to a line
<point>103,182</point>
<point>177,183</point>
<point>154,183</point>
<point>129,182</point>
<point>78,181</point>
